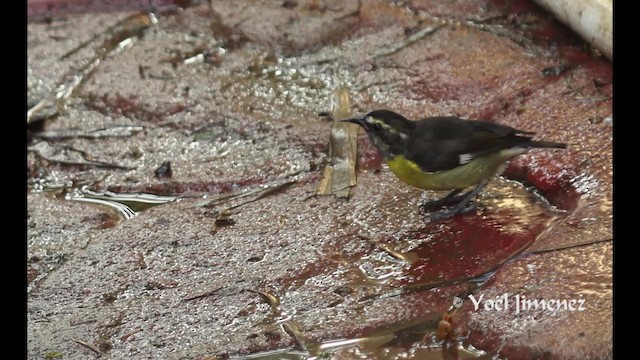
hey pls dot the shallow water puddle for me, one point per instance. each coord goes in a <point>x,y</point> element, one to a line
<point>412,340</point>
<point>436,263</point>
<point>466,246</point>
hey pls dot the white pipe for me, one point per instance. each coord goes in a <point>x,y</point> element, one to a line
<point>591,19</point>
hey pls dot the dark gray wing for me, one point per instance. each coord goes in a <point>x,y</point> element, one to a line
<point>443,143</point>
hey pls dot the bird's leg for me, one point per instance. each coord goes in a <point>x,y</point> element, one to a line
<point>462,207</point>
<point>451,198</point>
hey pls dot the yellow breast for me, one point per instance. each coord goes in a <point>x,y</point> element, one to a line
<point>461,177</point>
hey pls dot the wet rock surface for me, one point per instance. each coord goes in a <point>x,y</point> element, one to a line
<point>580,275</point>
<point>247,258</point>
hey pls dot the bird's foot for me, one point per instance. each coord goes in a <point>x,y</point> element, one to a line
<point>464,206</point>
<point>447,200</point>
<point>449,213</point>
<point>437,204</point>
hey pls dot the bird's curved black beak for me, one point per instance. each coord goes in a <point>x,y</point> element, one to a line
<point>356,120</point>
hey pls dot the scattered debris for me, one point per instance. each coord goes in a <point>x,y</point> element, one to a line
<point>340,174</point>
<point>223,218</point>
<point>554,70</point>
<point>47,152</point>
<point>262,190</point>
<point>572,246</point>
<point>89,346</point>
<point>418,35</point>
<point>288,324</point>
<point>446,328</point>
<point>126,205</point>
<point>164,171</point>
<point>203,295</point>
<point>104,132</point>
<point>289,4</point>
<point>119,37</point>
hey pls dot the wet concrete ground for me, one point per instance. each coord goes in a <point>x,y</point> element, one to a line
<point>230,95</point>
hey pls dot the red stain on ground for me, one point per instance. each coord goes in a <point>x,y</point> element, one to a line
<point>468,246</point>
<point>131,107</point>
<point>51,9</point>
<point>598,66</point>
<point>32,273</point>
<point>552,177</point>
<point>103,220</point>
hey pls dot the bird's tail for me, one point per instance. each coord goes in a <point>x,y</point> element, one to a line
<point>547,144</point>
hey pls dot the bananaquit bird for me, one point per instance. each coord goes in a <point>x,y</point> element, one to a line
<point>446,153</point>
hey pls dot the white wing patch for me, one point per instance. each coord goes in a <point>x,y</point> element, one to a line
<point>465,158</point>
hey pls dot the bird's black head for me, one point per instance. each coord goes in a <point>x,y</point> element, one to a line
<point>388,130</point>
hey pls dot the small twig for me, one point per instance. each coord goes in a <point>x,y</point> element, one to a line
<point>575,89</point>
<point>486,19</point>
<point>132,25</point>
<point>271,299</point>
<point>410,40</point>
<point>365,87</point>
<point>203,295</point>
<point>295,331</point>
<point>89,346</point>
<point>222,218</point>
<point>355,12</point>
<point>116,131</point>
<point>87,162</point>
<point>98,164</point>
<point>566,247</point>
<point>407,258</point>
<point>93,38</point>
<point>130,28</point>
<point>269,191</point>
<point>500,30</point>
<point>592,98</point>
<point>289,325</point>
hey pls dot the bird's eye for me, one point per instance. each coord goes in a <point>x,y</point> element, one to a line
<point>376,126</point>
<point>373,124</point>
